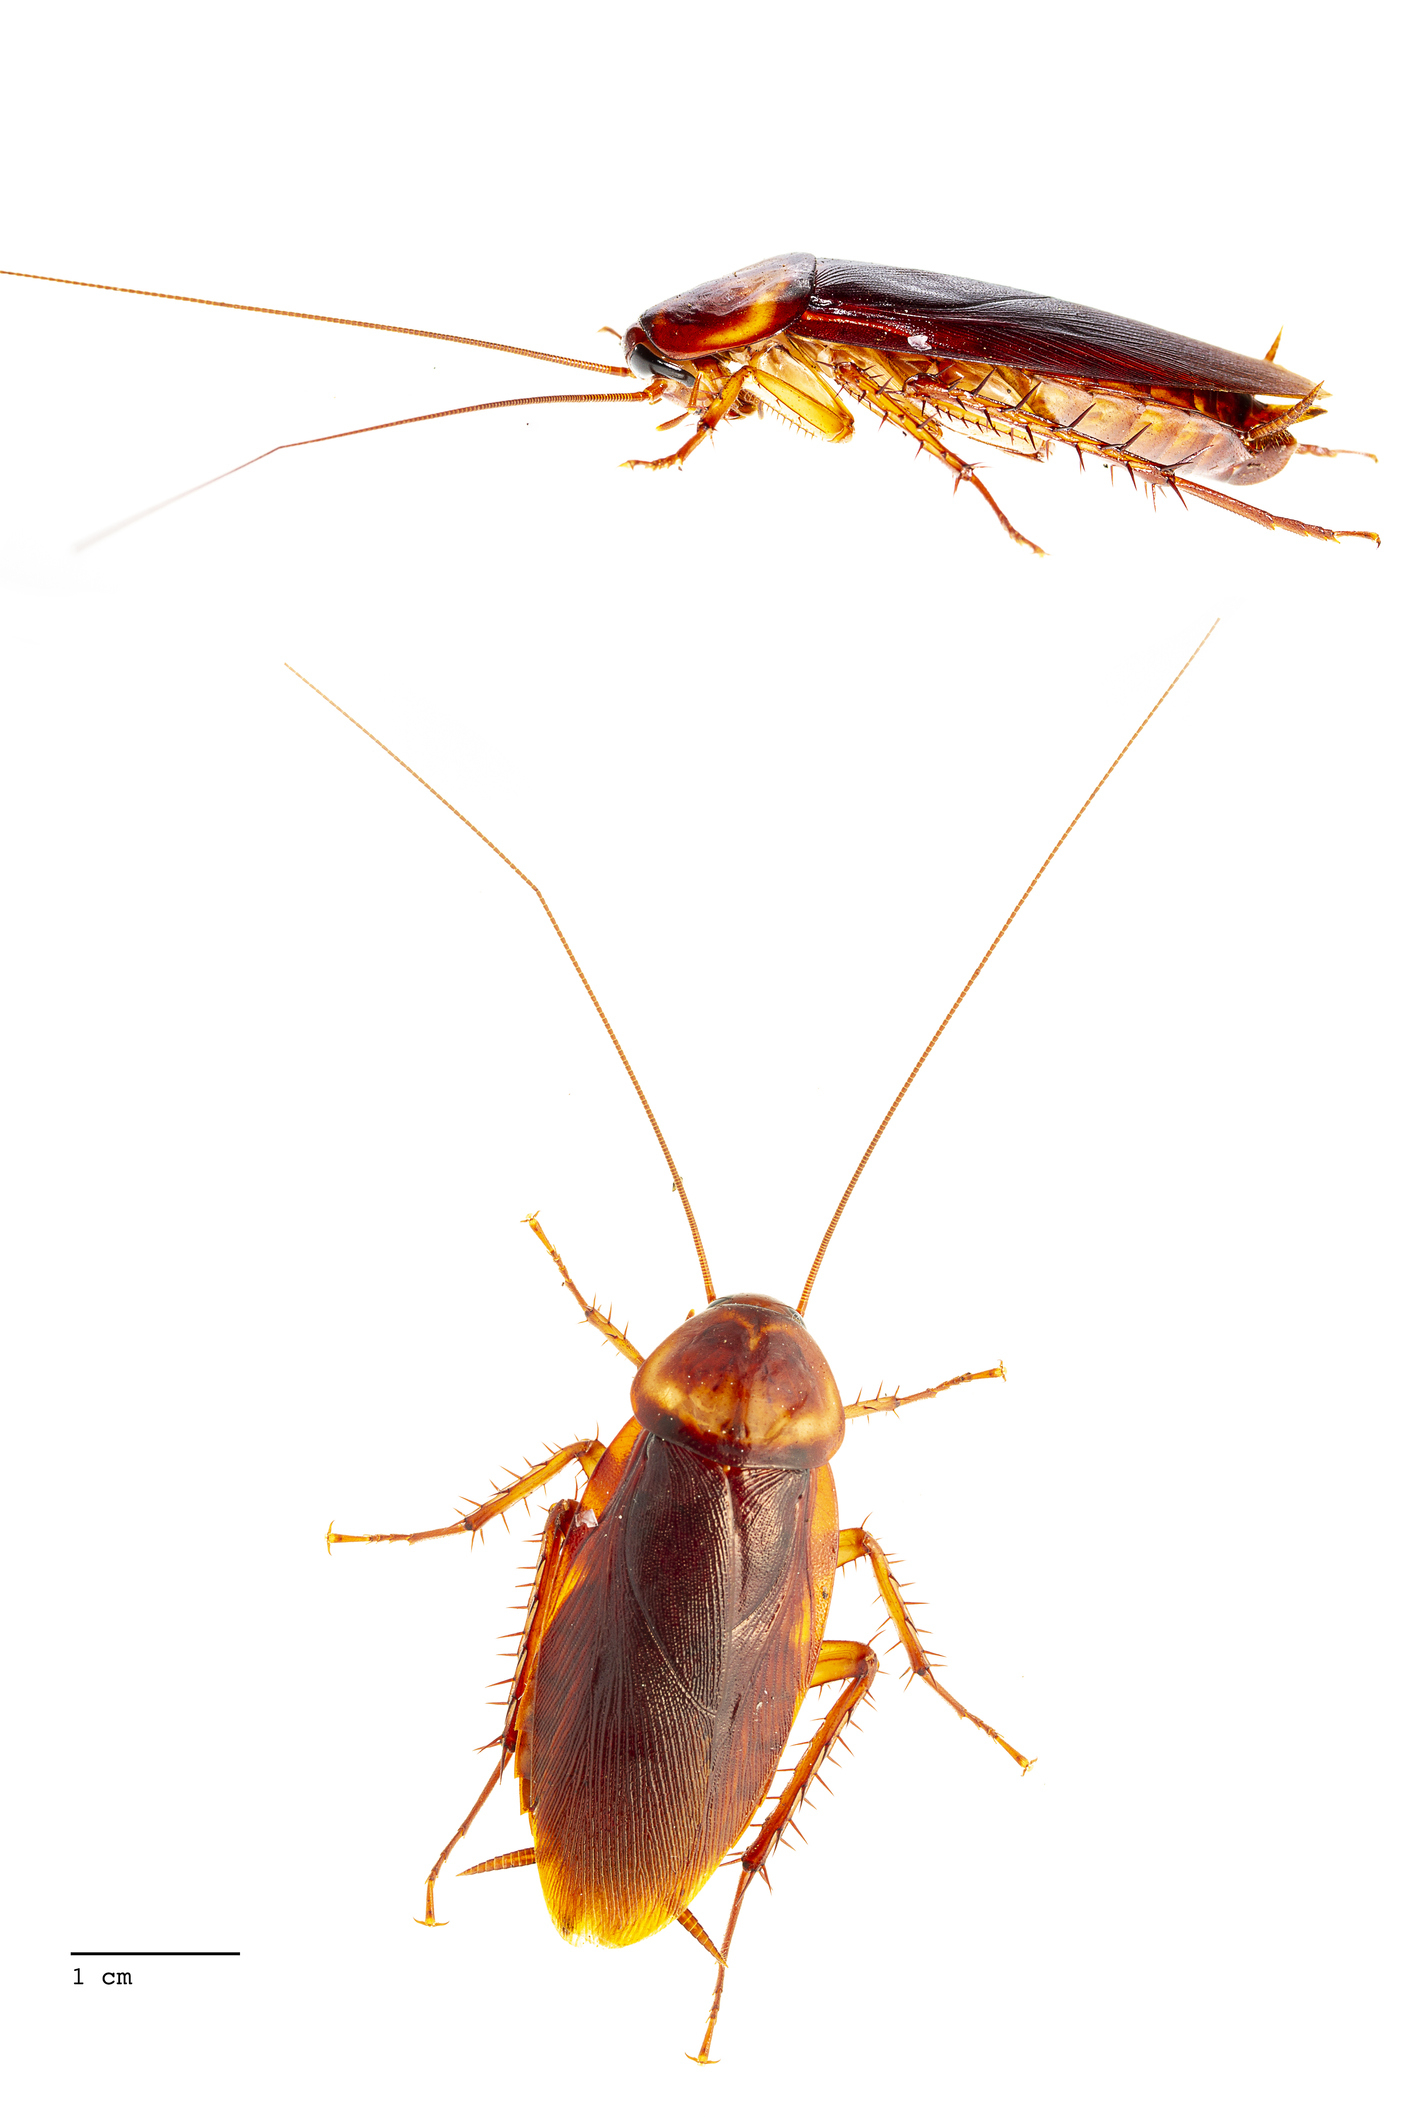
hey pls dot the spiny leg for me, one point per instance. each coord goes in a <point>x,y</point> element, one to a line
<point>1260,515</point>
<point>561,1522</point>
<point>1162,476</point>
<point>597,1319</point>
<point>586,1453</point>
<point>859,1543</point>
<point>845,1661</point>
<point>965,474</point>
<point>865,1407</point>
<point>707,420</point>
<point>1018,420</point>
<point>909,419</point>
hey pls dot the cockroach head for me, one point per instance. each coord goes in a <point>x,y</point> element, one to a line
<point>744,1382</point>
<point>646,361</point>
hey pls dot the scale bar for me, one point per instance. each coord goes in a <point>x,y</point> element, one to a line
<point>154,1951</point>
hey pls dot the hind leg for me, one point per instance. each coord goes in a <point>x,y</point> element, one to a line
<point>844,1661</point>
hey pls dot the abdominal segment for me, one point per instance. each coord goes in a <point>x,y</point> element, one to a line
<point>1202,432</point>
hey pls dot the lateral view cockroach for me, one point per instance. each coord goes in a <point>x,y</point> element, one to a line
<point>1016,371</point>
<point>926,352</point>
<point>677,1614</point>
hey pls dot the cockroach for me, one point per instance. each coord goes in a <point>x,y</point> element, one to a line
<point>927,353</point>
<point>1017,371</point>
<point>677,1612</point>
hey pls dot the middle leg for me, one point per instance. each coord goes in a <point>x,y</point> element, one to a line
<point>859,1543</point>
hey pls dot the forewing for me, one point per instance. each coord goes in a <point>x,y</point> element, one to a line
<point>906,311</point>
<point>666,1683</point>
<point>782,1604</point>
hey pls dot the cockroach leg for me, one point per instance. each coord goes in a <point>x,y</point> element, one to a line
<point>561,1520</point>
<point>846,1661</point>
<point>679,457</point>
<point>597,1318</point>
<point>965,474</point>
<point>1310,448</point>
<point>866,1407</point>
<point>525,1857</point>
<point>1017,424</point>
<point>705,1940</point>
<point>743,1378</point>
<point>761,340</point>
<point>707,420</point>
<point>911,421</point>
<point>586,1453</point>
<point>1257,514</point>
<point>458,1835</point>
<point>859,1543</point>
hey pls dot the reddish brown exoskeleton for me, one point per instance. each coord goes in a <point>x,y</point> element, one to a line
<point>923,350</point>
<point>677,1615</point>
<point>926,352</point>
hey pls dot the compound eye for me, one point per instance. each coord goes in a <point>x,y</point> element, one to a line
<point>646,363</point>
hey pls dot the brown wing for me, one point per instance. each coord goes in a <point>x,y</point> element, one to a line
<point>904,311</point>
<point>666,1683</point>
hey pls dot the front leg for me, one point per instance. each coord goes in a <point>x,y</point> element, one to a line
<point>586,1453</point>
<point>866,1407</point>
<point>720,407</point>
<point>597,1318</point>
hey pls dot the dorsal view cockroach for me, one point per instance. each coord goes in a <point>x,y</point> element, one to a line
<point>929,354</point>
<point>677,1613</point>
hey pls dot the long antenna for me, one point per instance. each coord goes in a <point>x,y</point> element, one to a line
<point>349,433</point>
<point>353,323</point>
<point>505,858</point>
<point>977,971</point>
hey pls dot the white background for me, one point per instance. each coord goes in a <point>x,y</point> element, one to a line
<point>781,738</point>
